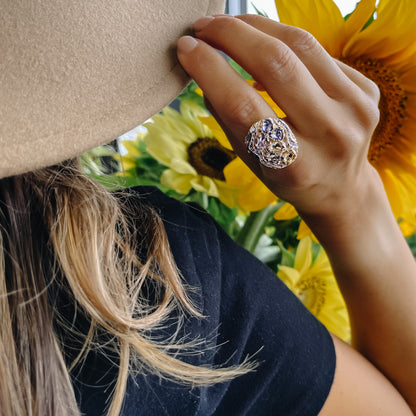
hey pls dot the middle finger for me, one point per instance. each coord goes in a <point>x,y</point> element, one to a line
<point>272,63</point>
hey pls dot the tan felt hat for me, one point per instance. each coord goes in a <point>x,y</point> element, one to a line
<point>75,74</point>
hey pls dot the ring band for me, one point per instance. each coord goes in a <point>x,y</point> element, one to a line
<point>272,141</point>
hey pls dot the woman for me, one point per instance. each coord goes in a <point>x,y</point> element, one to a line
<point>135,303</point>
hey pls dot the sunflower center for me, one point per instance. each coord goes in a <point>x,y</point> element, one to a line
<point>392,104</point>
<point>312,293</point>
<point>209,157</point>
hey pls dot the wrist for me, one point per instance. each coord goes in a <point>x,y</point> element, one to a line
<point>360,216</point>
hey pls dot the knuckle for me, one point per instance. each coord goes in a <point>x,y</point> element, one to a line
<point>371,115</point>
<point>344,136</point>
<point>225,23</point>
<point>304,41</point>
<point>352,129</point>
<point>241,109</point>
<point>366,112</point>
<point>252,19</point>
<point>373,90</point>
<point>279,62</point>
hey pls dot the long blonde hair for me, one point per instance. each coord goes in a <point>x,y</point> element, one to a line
<point>57,222</point>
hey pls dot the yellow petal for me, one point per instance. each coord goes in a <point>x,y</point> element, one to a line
<point>322,18</point>
<point>266,97</point>
<point>305,231</point>
<point>182,166</point>
<point>237,173</point>
<point>253,194</point>
<point>390,33</point>
<point>403,60</point>
<point>173,180</point>
<point>205,184</point>
<point>164,149</point>
<point>289,276</point>
<point>228,195</point>
<point>216,131</point>
<point>285,212</point>
<point>256,196</point>
<point>336,321</point>
<point>303,259</point>
<point>126,162</point>
<point>359,17</point>
<point>131,147</point>
<point>190,109</point>
<point>322,265</point>
<point>407,228</point>
<point>408,80</point>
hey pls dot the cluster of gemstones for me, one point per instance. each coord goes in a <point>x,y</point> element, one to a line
<point>272,141</point>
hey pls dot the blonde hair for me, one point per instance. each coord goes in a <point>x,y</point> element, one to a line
<point>57,222</point>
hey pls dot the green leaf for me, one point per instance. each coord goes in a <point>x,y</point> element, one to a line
<point>286,231</point>
<point>369,21</point>
<point>241,71</point>
<point>287,257</point>
<point>411,241</point>
<point>261,13</point>
<point>189,94</point>
<point>254,226</point>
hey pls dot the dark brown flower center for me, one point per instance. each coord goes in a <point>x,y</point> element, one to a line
<point>209,157</point>
<point>392,104</point>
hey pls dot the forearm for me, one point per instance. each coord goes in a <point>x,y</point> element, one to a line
<point>377,276</point>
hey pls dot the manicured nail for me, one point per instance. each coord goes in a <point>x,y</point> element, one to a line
<point>186,44</point>
<point>202,22</point>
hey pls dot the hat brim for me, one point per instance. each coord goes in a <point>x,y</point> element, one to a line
<point>75,75</point>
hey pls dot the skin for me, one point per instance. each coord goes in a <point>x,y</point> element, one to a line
<point>333,111</point>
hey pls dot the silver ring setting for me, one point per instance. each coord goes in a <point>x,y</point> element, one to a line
<point>272,141</point>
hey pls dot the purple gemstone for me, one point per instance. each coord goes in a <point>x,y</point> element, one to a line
<point>267,126</point>
<point>276,134</point>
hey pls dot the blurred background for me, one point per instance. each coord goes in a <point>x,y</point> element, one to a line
<point>268,6</point>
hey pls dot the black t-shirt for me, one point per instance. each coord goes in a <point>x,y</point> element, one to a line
<point>249,312</point>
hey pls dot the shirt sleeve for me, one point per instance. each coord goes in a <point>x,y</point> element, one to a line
<point>249,313</point>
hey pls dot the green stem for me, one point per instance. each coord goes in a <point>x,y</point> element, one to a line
<point>253,228</point>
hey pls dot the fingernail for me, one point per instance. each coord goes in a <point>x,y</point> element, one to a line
<point>202,22</point>
<point>186,44</point>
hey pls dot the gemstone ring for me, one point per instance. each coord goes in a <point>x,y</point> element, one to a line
<point>272,141</point>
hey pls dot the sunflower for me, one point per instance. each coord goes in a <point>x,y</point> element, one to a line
<point>380,42</point>
<point>313,282</point>
<point>194,157</point>
<point>253,195</point>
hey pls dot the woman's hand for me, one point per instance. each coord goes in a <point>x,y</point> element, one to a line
<point>331,108</point>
